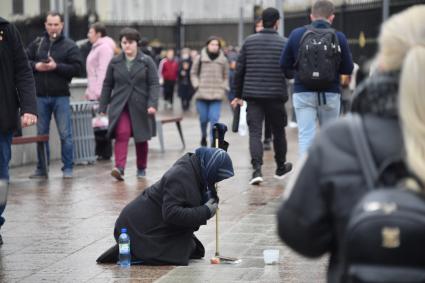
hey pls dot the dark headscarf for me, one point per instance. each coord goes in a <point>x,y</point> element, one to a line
<point>378,95</point>
<point>216,166</point>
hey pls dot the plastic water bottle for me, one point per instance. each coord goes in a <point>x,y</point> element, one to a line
<point>124,247</point>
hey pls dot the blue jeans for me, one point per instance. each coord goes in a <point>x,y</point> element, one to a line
<point>209,111</point>
<point>5,155</point>
<point>310,106</point>
<point>59,106</point>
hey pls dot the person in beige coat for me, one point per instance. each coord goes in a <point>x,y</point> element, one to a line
<point>209,77</point>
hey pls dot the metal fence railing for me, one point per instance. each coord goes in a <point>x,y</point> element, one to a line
<point>82,130</point>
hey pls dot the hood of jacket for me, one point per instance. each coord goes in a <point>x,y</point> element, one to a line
<point>106,40</point>
<point>378,95</point>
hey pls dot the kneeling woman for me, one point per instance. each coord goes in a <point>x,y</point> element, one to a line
<point>162,220</point>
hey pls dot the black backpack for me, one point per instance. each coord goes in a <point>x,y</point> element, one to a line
<point>384,238</point>
<point>319,57</point>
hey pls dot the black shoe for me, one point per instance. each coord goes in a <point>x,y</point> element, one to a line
<point>109,256</point>
<point>38,174</point>
<point>257,177</point>
<point>118,173</point>
<point>1,240</point>
<point>267,145</point>
<point>281,171</point>
<point>204,142</point>
<point>103,158</point>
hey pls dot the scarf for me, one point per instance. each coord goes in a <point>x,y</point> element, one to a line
<point>216,166</point>
<point>378,95</point>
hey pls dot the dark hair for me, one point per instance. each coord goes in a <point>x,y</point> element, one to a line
<point>99,28</point>
<point>54,14</point>
<point>323,9</point>
<point>213,37</point>
<point>144,41</point>
<point>270,16</point>
<point>130,34</point>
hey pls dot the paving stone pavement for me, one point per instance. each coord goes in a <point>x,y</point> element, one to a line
<point>55,229</point>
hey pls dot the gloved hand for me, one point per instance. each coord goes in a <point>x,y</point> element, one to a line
<point>212,205</point>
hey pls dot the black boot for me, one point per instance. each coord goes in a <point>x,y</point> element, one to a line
<point>204,141</point>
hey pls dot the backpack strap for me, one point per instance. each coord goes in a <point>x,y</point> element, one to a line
<point>363,152</point>
<point>308,29</point>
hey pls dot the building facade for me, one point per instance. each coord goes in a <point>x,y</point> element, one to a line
<point>150,11</point>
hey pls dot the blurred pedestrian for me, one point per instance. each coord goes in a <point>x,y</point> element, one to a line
<point>260,81</point>
<point>17,99</point>
<point>98,59</point>
<point>168,72</point>
<point>233,58</point>
<point>210,79</point>
<point>194,54</point>
<point>348,85</point>
<point>267,125</point>
<point>100,55</point>
<point>145,48</point>
<point>55,60</point>
<point>130,94</point>
<point>185,88</point>
<point>329,181</point>
<point>317,69</point>
<point>258,25</point>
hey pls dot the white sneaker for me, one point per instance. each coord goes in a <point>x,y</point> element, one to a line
<point>257,177</point>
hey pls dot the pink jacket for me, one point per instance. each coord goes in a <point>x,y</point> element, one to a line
<point>97,63</point>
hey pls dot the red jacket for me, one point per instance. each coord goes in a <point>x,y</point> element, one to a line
<point>170,70</point>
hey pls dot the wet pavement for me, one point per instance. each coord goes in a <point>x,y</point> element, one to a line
<point>55,229</point>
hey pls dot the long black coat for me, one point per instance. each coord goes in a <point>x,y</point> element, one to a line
<point>137,88</point>
<point>162,220</point>
<point>17,87</point>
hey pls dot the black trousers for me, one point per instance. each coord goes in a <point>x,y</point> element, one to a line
<point>267,130</point>
<point>169,90</point>
<point>103,147</point>
<point>275,112</point>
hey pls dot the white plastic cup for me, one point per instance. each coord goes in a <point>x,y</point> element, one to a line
<point>271,256</point>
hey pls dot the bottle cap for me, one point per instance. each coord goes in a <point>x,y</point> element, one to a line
<point>123,230</point>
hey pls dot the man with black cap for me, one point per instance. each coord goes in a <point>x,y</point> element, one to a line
<point>260,81</point>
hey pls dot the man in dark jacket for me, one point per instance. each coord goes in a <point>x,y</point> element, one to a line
<point>55,60</point>
<point>261,82</point>
<point>17,98</point>
<point>162,220</point>
<point>310,103</point>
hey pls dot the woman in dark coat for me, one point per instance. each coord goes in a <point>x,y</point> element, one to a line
<point>185,88</point>
<point>329,182</point>
<point>162,220</point>
<point>131,89</point>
